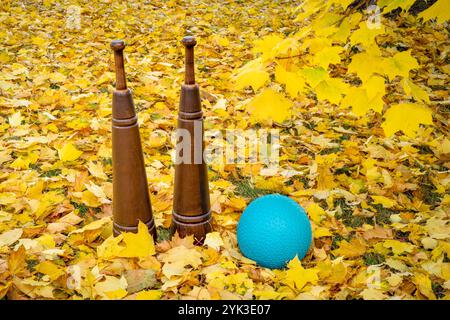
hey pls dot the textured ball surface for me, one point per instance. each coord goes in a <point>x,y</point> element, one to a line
<point>272,230</point>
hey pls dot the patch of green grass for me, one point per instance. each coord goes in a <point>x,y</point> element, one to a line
<point>31,264</point>
<point>347,216</point>
<point>372,258</point>
<point>51,173</point>
<point>310,125</point>
<point>155,116</point>
<point>401,235</point>
<point>427,190</point>
<point>36,167</point>
<point>246,189</point>
<point>107,161</point>
<point>80,207</point>
<point>438,290</point>
<point>335,242</point>
<point>423,149</point>
<point>330,151</point>
<point>383,214</point>
<point>304,180</point>
<point>346,169</point>
<point>163,234</point>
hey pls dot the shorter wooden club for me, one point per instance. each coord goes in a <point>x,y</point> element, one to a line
<point>191,205</point>
<point>131,201</point>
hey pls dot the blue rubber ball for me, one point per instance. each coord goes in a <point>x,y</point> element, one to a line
<point>272,230</point>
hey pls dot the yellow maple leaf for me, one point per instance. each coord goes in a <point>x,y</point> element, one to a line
<point>338,272</point>
<point>315,45</point>
<point>297,276</point>
<point>47,241</point>
<point>400,64</point>
<point>112,287</point>
<point>252,74</point>
<point>138,244</point>
<point>415,91</point>
<point>266,44</point>
<point>23,162</point>
<point>182,254</point>
<point>365,35</point>
<point>15,119</point>
<point>176,268</point>
<point>389,5</point>
<point>89,199</point>
<point>69,152</point>
<point>4,289</point>
<point>375,87</point>
<point>355,248</point>
<point>438,10</point>
<point>57,77</point>
<point>398,247</point>
<point>331,89</point>
<point>326,24</point>
<point>270,105</point>
<point>214,240</point>
<point>116,294</point>
<point>406,117</point>
<point>50,269</point>
<point>4,58</point>
<point>110,248</point>
<point>310,7</point>
<point>373,294</point>
<point>96,169</point>
<point>220,41</point>
<point>319,232</point>
<point>286,48</point>
<point>316,212</point>
<point>365,64</point>
<point>293,81</point>
<point>9,237</point>
<point>95,225</point>
<point>268,294</point>
<point>16,260</point>
<point>385,202</point>
<point>149,295</point>
<point>423,283</point>
<point>438,228</point>
<point>357,98</point>
<point>327,56</point>
<point>97,191</point>
<point>313,76</point>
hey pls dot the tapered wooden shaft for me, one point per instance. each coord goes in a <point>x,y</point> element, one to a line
<point>131,201</point>
<point>191,205</point>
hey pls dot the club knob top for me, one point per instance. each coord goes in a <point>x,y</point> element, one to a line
<point>117,45</point>
<point>189,41</point>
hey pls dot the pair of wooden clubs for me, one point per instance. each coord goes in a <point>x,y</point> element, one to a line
<point>131,202</point>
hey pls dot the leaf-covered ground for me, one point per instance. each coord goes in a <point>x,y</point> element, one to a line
<point>378,198</point>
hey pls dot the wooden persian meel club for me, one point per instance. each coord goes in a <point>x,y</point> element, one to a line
<point>191,205</point>
<point>131,201</point>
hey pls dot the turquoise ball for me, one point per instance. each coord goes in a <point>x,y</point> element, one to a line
<point>272,230</point>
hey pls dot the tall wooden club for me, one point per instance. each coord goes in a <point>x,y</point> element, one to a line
<point>191,205</point>
<point>131,201</point>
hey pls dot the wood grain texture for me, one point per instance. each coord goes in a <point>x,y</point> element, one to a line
<point>131,201</point>
<point>191,204</point>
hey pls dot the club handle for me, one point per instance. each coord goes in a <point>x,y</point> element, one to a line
<point>118,46</point>
<point>189,43</point>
